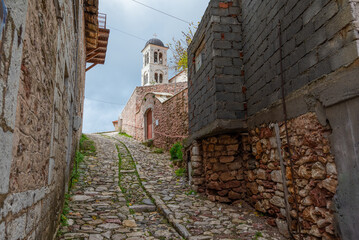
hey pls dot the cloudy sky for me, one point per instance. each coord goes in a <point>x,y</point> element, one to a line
<point>109,86</point>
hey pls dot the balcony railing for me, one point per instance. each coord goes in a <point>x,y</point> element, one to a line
<point>102,20</point>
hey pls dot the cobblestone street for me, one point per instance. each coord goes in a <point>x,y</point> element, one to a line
<point>129,192</point>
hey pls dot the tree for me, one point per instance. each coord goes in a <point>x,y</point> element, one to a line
<point>179,61</point>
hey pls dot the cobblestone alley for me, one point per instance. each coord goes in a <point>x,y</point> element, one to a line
<point>129,192</point>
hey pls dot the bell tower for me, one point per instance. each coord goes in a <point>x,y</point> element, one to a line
<point>155,69</point>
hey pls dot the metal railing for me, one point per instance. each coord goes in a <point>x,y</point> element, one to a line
<point>102,20</point>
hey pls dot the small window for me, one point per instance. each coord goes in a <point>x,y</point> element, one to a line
<point>148,58</point>
<point>146,79</point>
<point>199,56</point>
<point>161,78</point>
<point>161,58</point>
<point>156,77</point>
<point>156,57</point>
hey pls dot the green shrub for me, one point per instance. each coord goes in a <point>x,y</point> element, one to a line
<point>179,172</point>
<point>176,152</point>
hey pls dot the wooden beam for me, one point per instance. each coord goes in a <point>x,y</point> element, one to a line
<point>92,56</point>
<point>90,67</point>
<point>91,51</point>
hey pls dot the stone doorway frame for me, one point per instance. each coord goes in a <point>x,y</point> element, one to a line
<point>146,124</point>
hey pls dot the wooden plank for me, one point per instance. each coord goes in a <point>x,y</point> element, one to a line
<point>90,67</point>
<point>92,56</point>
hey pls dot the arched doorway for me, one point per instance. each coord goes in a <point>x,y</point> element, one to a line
<point>149,134</point>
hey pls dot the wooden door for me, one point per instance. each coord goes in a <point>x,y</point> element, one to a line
<point>149,124</point>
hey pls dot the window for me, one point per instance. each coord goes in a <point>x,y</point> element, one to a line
<point>161,58</point>
<point>145,79</point>
<point>156,77</point>
<point>161,78</point>
<point>199,56</point>
<point>148,58</point>
<point>156,57</point>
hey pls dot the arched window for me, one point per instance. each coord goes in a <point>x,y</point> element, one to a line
<point>146,78</point>
<point>161,78</point>
<point>148,58</point>
<point>156,77</point>
<point>156,57</point>
<point>161,58</point>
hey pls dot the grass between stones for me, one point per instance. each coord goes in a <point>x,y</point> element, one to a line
<point>124,134</point>
<point>86,148</point>
<point>130,182</point>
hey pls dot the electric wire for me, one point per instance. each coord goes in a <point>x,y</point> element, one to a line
<point>126,33</point>
<point>170,15</point>
<point>96,100</point>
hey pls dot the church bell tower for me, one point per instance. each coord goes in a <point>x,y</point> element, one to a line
<point>155,69</point>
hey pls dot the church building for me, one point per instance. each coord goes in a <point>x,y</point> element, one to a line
<point>158,109</point>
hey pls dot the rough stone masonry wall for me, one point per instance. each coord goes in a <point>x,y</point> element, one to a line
<point>315,174</point>
<point>40,58</point>
<point>130,124</point>
<point>224,170</point>
<point>215,90</point>
<point>172,117</point>
<point>247,167</point>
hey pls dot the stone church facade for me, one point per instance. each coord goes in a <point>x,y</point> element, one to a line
<point>273,112</point>
<point>158,109</point>
<point>42,76</point>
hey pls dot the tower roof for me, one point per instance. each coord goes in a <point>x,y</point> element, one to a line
<point>155,41</point>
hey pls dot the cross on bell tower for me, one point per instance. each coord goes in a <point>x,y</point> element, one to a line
<point>155,69</point>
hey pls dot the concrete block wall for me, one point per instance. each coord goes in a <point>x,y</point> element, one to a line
<point>42,85</point>
<point>318,38</point>
<point>215,90</point>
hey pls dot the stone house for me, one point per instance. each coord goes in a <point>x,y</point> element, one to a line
<point>44,49</point>
<point>273,112</point>
<point>158,109</point>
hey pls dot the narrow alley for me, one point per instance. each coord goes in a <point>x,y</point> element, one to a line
<point>149,201</point>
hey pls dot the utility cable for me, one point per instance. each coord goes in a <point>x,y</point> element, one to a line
<point>161,12</point>
<point>126,33</point>
<point>95,100</point>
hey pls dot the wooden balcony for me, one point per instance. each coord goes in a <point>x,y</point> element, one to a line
<point>97,35</point>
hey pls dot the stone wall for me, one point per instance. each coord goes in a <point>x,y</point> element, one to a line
<point>130,124</point>
<point>42,86</point>
<point>319,56</point>
<point>247,167</point>
<point>172,116</point>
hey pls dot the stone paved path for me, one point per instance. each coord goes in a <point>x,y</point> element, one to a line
<point>101,209</point>
<point>105,208</point>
